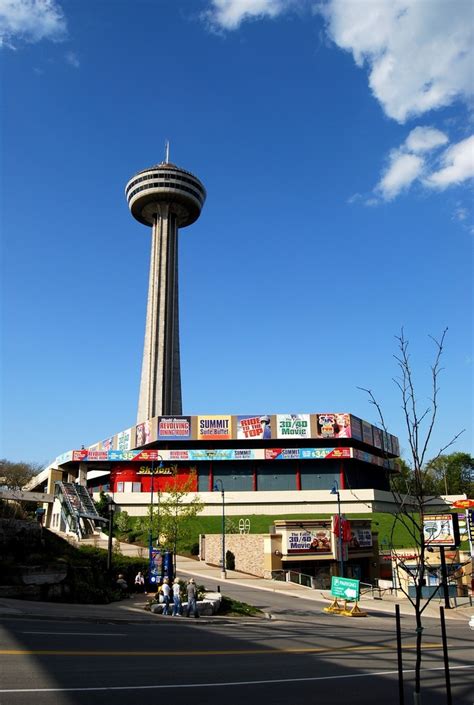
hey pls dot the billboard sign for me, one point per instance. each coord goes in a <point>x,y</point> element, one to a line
<point>441,530</point>
<point>317,540</point>
<point>254,427</point>
<point>293,426</point>
<point>174,428</point>
<point>214,428</point>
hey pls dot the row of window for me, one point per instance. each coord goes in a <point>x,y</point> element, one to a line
<point>166,184</point>
<point>160,175</point>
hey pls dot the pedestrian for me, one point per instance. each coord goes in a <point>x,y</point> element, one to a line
<point>122,585</point>
<point>177,606</point>
<point>192,597</point>
<point>139,582</point>
<point>166,591</point>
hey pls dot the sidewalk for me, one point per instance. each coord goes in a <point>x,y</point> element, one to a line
<point>201,570</point>
<point>132,609</point>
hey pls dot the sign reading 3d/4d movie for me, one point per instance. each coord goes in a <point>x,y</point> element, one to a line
<point>174,427</point>
<point>214,428</point>
<point>316,540</point>
<point>293,426</point>
<point>254,427</point>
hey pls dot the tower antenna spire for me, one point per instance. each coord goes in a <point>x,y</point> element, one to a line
<point>167,152</point>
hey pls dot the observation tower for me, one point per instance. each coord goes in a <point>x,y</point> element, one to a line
<point>166,198</point>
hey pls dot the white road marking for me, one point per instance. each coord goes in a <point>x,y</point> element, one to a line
<point>225,684</point>
<point>77,633</point>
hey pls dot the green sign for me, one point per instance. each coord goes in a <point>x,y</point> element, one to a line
<point>347,588</point>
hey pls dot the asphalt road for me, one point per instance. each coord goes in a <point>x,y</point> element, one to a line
<point>306,656</point>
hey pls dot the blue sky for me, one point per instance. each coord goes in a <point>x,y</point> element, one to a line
<point>335,141</point>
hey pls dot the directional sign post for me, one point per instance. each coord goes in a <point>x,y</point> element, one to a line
<point>347,588</point>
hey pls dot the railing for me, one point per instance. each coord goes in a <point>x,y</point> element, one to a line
<point>299,578</point>
<point>79,507</point>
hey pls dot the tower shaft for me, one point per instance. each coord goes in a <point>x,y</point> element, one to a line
<point>160,386</point>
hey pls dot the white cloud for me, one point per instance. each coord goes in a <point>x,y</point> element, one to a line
<point>457,165</point>
<point>419,54</point>
<point>229,14</point>
<point>72,59</point>
<point>424,139</point>
<point>400,174</point>
<point>30,20</point>
<point>419,158</point>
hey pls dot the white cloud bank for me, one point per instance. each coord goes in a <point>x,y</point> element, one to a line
<point>229,14</point>
<point>419,53</point>
<point>30,20</point>
<point>419,158</point>
<point>457,165</point>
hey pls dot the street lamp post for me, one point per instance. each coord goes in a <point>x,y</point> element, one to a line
<point>216,487</point>
<point>150,529</point>
<point>111,508</point>
<point>335,490</point>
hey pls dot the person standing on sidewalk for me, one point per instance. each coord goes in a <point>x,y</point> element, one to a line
<point>192,597</point>
<point>177,607</point>
<point>166,591</point>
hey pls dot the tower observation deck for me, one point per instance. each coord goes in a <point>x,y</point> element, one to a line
<point>166,198</point>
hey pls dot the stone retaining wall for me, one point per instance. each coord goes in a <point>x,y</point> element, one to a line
<point>248,550</point>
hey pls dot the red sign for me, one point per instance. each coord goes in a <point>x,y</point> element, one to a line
<point>463,503</point>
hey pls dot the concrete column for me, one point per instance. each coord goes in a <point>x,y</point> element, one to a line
<point>160,386</point>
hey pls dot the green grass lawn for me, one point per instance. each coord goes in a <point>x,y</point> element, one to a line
<point>382,523</point>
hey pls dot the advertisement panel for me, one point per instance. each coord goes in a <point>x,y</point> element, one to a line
<point>293,426</point>
<point>387,442</point>
<point>395,445</point>
<point>282,453</point>
<point>441,530</point>
<point>214,428</point>
<point>254,427</point>
<point>107,443</point>
<point>323,453</point>
<point>174,428</point>
<point>360,538</point>
<point>367,433</point>
<point>356,428</point>
<point>124,439</point>
<point>143,434</point>
<point>377,436</point>
<point>315,540</point>
<point>333,425</point>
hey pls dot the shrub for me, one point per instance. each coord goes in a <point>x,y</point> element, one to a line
<point>229,560</point>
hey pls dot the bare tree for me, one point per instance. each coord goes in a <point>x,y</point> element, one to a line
<point>413,503</point>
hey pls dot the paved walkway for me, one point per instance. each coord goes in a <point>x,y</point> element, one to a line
<point>186,567</point>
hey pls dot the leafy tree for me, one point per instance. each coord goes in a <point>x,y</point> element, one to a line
<point>403,480</point>
<point>102,505</point>
<point>452,474</point>
<point>176,511</point>
<point>14,476</point>
<point>413,489</point>
<point>122,521</point>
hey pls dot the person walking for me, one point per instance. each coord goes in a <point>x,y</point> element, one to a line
<point>166,591</point>
<point>177,607</point>
<point>192,597</point>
